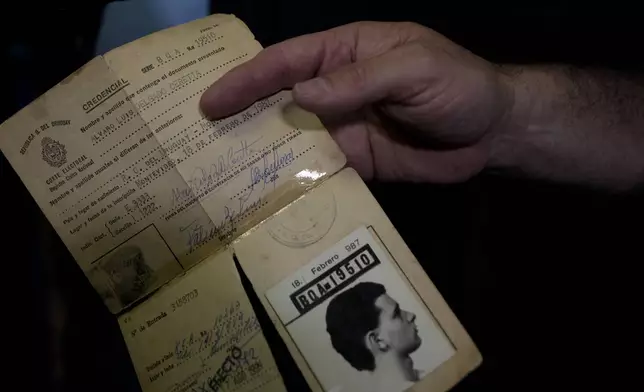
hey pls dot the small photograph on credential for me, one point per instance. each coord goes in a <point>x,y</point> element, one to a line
<point>357,321</point>
<point>133,268</point>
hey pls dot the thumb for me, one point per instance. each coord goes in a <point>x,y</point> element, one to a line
<point>362,83</point>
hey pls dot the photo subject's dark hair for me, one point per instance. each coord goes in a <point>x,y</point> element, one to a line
<point>349,317</point>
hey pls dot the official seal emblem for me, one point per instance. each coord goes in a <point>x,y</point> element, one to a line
<point>53,152</point>
<point>304,222</point>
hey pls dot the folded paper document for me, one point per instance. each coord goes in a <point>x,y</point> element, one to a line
<point>154,201</point>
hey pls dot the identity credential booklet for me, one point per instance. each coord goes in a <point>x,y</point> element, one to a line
<point>153,201</point>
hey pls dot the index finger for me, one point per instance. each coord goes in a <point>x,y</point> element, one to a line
<point>276,67</point>
<point>285,64</point>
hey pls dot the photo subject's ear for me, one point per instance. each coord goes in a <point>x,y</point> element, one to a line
<point>375,342</point>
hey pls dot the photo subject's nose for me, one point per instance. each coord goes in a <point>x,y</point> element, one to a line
<point>411,316</point>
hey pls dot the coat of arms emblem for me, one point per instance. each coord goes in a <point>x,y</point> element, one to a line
<point>53,152</point>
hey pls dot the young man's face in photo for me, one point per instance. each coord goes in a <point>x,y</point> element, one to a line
<point>397,326</point>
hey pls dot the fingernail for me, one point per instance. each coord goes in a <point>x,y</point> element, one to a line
<point>207,103</point>
<point>310,89</point>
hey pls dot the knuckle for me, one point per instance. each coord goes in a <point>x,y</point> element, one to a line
<point>337,51</point>
<point>415,31</point>
<point>357,77</point>
<point>287,65</point>
<point>422,54</point>
<point>412,26</point>
<point>363,24</point>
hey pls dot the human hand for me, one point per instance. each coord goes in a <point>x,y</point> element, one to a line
<point>402,101</point>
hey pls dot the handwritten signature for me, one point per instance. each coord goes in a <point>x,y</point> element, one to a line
<point>199,234</point>
<point>204,177</point>
<point>267,171</point>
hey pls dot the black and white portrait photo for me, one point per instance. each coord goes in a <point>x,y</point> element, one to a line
<point>358,322</point>
<point>371,332</point>
<point>133,268</point>
<point>129,273</point>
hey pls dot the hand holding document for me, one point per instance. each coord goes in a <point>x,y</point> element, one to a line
<point>153,199</point>
<point>120,149</point>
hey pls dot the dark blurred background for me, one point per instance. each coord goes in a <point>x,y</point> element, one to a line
<point>543,276</point>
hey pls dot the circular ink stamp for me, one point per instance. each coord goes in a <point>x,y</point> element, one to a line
<point>306,221</point>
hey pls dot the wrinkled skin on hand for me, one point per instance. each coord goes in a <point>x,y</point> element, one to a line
<point>402,101</point>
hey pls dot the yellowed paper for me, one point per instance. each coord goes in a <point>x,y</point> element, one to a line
<point>200,333</point>
<point>142,188</point>
<point>138,184</point>
<point>336,240</point>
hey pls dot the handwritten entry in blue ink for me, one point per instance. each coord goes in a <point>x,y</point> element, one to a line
<point>138,184</point>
